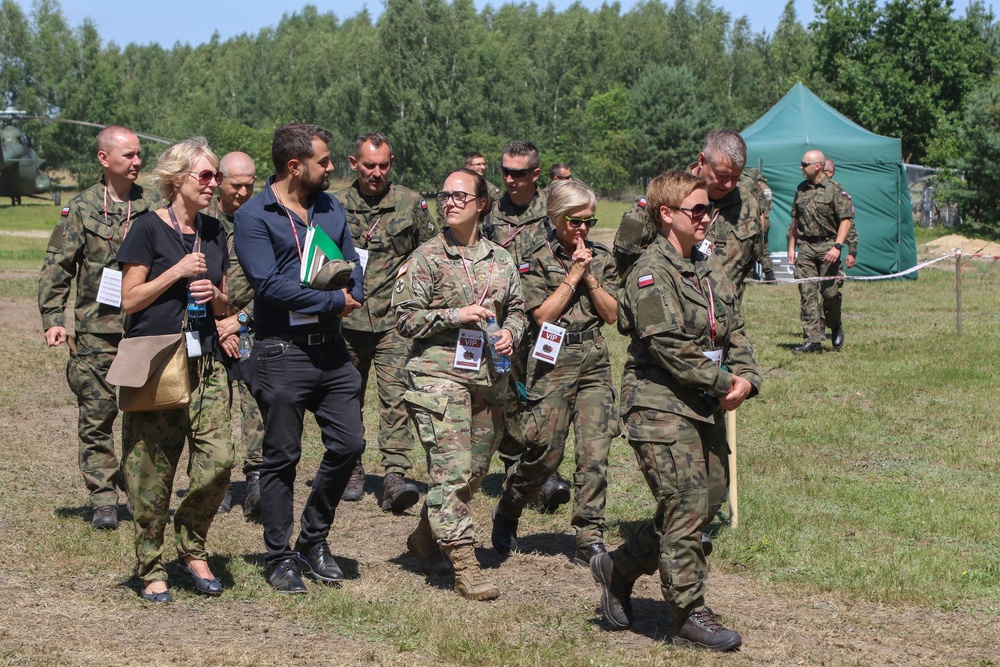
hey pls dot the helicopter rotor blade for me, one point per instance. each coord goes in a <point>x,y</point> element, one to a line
<point>151,137</point>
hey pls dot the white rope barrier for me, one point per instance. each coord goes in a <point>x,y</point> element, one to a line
<point>952,254</point>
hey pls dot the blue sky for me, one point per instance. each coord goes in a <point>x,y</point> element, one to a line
<point>194,21</point>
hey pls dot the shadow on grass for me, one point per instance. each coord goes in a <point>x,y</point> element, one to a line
<point>85,513</point>
<point>409,562</point>
<point>177,579</point>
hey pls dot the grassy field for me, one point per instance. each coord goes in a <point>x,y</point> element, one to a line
<point>869,482</point>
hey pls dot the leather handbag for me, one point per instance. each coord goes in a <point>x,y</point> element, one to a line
<point>151,373</point>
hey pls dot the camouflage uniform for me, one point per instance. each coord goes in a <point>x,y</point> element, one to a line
<point>672,417</point>
<point>635,233</point>
<point>818,210</point>
<point>516,233</point>
<point>152,446</point>
<point>82,245</point>
<point>578,389</point>
<point>456,413</point>
<point>852,234</point>
<point>494,193</point>
<point>755,182</point>
<point>241,299</point>
<point>389,230</point>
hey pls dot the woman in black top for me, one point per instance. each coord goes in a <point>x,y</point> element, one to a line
<point>174,265</point>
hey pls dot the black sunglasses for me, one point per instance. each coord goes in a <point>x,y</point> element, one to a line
<point>576,222</point>
<point>806,164</point>
<point>515,173</point>
<point>696,212</point>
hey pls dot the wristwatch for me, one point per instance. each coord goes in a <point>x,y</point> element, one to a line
<point>838,246</point>
<point>242,318</point>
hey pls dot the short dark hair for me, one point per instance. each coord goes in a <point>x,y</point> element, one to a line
<point>376,139</point>
<point>523,149</point>
<point>469,157</point>
<point>293,141</point>
<point>480,182</point>
<point>556,168</point>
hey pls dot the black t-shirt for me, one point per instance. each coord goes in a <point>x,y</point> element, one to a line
<point>154,243</point>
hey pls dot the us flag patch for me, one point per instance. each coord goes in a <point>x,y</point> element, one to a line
<point>646,280</point>
<point>523,268</point>
<point>641,202</point>
<point>423,204</point>
<point>65,211</point>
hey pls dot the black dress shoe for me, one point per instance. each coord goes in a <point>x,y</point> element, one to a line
<point>584,554</point>
<point>285,578</point>
<point>164,596</point>
<point>319,563</point>
<point>838,337</point>
<point>211,586</point>
<point>808,347</point>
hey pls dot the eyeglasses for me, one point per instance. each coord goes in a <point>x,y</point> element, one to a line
<point>207,176</point>
<point>459,197</point>
<point>696,212</point>
<point>806,164</point>
<point>576,222</point>
<point>515,173</point>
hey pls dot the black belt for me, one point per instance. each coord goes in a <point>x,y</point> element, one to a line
<point>309,340</point>
<point>816,239</point>
<point>576,337</point>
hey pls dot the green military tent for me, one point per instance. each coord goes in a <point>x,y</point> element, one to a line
<point>869,166</point>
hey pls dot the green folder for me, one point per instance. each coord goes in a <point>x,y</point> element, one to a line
<point>319,249</point>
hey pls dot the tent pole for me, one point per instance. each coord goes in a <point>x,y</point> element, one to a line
<point>958,293</point>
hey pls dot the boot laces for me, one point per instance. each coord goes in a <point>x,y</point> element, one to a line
<point>706,619</point>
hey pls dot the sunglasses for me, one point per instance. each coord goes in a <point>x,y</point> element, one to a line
<point>207,176</point>
<point>696,212</point>
<point>576,222</point>
<point>806,164</point>
<point>458,197</point>
<point>515,173</point>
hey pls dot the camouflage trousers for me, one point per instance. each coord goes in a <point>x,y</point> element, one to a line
<point>819,300</point>
<point>152,446</point>
<point>684,462</point>
<point>578,390</point>
<point>251,426</point>
<point>459,426</point>
<point>98,407</point>
<point>512,443</point>
<point>764,254</point>
<point>388,352</point>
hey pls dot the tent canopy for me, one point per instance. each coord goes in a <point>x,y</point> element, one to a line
<point>869,166</point>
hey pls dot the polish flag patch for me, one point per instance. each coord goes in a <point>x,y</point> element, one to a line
<point>423,204</point>
<point>646,280</point>
<point>65,212</point>
<point>523,268</point>
<point>641,202</point>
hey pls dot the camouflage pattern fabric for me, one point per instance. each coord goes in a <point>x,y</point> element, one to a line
<point>852,235</point>
<point>81,246</point>
<point>635,233</point>
<point>152,447</point>
<point>672,417</point>
<point>756,183</point>
<point>494,193</point>
<point>577,390</point>
<point>237,286</point>
<point>251,427</point>
<point>819,208</point>
<point>736,235</point>
<point>459,425</point>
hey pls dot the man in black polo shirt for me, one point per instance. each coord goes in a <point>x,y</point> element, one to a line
<point>300,360</point>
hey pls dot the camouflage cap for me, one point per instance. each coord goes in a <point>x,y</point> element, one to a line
<point>334,275</point>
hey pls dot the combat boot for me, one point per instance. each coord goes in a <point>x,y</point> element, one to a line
<point>422,544</point>
<point>251,505</point>
<point>703,631</point>
<point>554,492</point>
<point>470,581</point>
<point>398,495</point>
<point>355,490</point>
<point>227,500</point>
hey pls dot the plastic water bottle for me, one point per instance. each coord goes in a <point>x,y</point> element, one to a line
<point>245,342</point>
<point>500,361</point>
<point>195,310</point>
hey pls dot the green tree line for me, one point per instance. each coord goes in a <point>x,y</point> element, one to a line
<point>620,95</point>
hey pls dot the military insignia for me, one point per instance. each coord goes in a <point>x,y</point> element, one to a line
<point>641,202</point>
<point>430,226</point>
<point>646,280</point>
<point>523,268</point>
<point>400,285</point>
<point>65,212</point>
<point>403,269</point>
<point>423,204</point>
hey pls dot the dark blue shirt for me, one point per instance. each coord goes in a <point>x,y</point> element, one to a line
<point>265,245</point>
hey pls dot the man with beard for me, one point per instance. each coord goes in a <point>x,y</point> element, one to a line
<point>300,360</point>
<point>82,247</point>
<point>387,223</point>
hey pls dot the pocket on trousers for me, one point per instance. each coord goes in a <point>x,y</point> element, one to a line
<point>424,408</point>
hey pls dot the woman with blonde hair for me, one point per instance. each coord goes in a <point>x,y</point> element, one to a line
<point>174,263</point>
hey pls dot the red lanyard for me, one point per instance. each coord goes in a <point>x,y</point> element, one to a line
<point>107,225</point>
<point>471,277</point>
<point>711,310</point>
<point>368,235</point>
<point>298,246</point>
<point>511,237</point>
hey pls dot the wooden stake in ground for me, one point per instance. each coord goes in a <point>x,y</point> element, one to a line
<point>958,292</point>
<point>734,501</point>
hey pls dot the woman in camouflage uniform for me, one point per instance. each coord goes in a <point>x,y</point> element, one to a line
<point>167,254</point>
<point>443,296</point>
<point>688,363</point>
<point>566,281</point>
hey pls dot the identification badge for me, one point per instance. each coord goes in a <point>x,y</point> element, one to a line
<point>715,356</point>
<point>706,248</point>
<point>363,257</point>
<point>193,341</point>
<point>298,319</point>
<point>550,341</point>
<point>469,350</point>
<point>110,291</point>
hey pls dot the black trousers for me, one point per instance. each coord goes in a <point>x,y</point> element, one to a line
<point>289,379</point>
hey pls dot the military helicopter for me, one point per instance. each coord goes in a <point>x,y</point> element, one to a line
<point>21,168</point>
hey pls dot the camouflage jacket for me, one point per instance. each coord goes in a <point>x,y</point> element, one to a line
<point>237,285</point>
<point>544,268</point>
<point>434,285</point>
<point>494,193</point>
<point>389,231</point>
<point>82,245</point>
<point>735,236</point>
<point>635,233</point>
<point>517,233</point>
<point>819,208</point>
<point>852,234</point>
<point>663,306</point>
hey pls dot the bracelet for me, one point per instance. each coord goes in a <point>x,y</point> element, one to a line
<point>570,285</point>
<point>596,285</point>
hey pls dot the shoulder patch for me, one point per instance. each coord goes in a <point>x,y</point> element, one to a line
<point>523,268</point>
<point>646,280</point>
<point>844,192</point>
<point>400,285</point>
<point>423,204</point>
<point>642,202</point>
<point>403,269</point>
<point>65,212</point>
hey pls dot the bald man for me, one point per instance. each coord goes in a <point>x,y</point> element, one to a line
<point>821,219</point>
<point>239,174</point>
<point>82,248</point>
